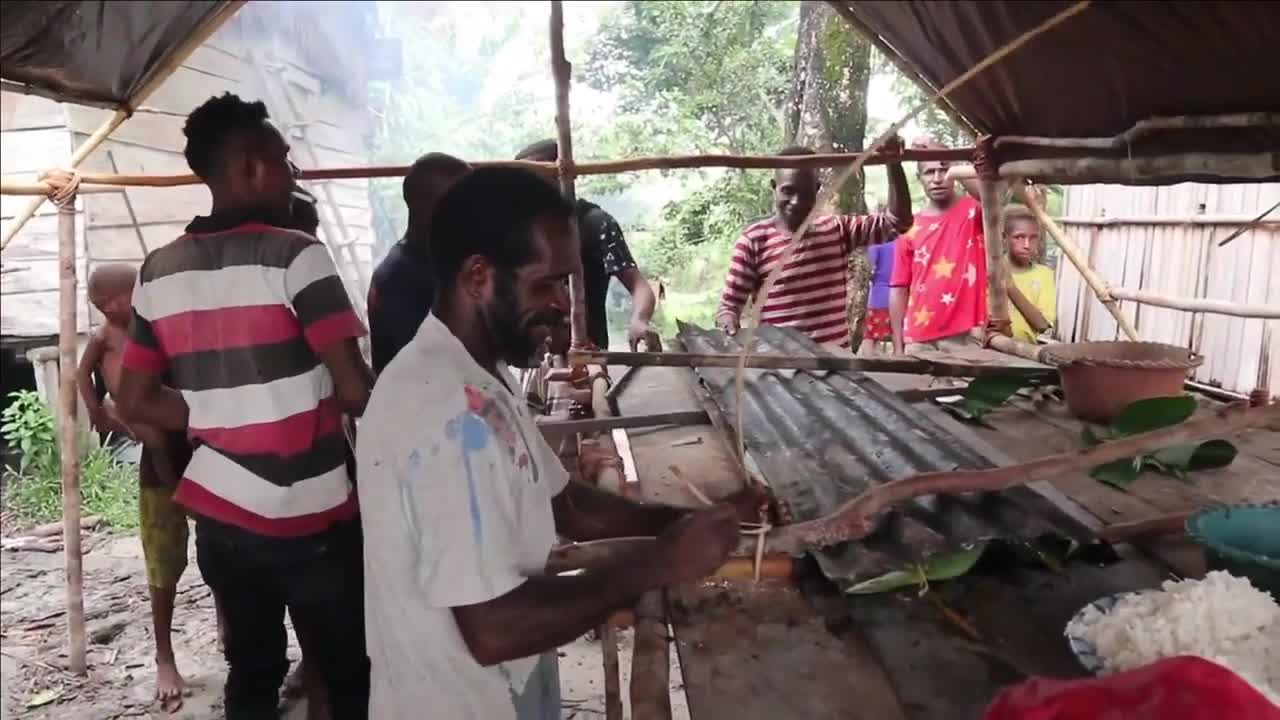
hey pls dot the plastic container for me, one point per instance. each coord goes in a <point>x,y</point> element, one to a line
<point>1244,540</point>
<point>1099,379</point>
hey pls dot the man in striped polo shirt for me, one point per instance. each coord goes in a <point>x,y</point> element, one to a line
<point>810,292</point>
<point>251,326</point>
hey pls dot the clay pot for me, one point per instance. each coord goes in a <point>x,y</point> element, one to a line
<point>1099,379</point>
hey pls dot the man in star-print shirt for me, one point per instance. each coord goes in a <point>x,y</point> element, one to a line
<point>938,292</point>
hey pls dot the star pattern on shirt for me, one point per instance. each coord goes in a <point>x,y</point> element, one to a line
<point>972,212</point>
<point>921,256</point>
<point>943,268</point>
<point>923,316</point>
<point>948,299</point>
<point>934,226</point>
<point>971,275</point>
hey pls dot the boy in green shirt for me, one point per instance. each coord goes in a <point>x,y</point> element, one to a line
<point>1033,293</point>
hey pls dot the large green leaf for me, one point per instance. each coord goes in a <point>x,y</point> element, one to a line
<point>982,396</point>
<point>1153,414</point>
<point>1119,474</point>
<point>888,582</point>
<point>1212,454</point>
<point>945,566</point>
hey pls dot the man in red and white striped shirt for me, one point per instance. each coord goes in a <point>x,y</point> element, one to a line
<point>810,292</point>
<point>253,335</point>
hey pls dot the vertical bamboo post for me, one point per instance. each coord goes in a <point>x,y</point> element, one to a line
<point>651,660</point>
<point>992,196</point>
<point>561,70</point>
<point>68,435</point>
<point>1072,251</point>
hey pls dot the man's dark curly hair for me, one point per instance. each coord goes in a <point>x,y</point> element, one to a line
<point>209,125</point>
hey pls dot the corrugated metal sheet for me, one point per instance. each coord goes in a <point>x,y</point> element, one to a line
<point>1179,260</point>
<point>820,439</point>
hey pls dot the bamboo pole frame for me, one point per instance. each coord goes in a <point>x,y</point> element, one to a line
<point>69,435</point>
<point>1217,307</point>
<point>153,83</point>
<point>109,182</point>
<point>561,72</point>
<point>908,364</point>
<point>1072,251</point>
<point>1122,220</point>
<point>1260,166</point>
<point>991,195</point>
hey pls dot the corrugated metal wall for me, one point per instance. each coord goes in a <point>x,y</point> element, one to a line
<point>1181,260</point>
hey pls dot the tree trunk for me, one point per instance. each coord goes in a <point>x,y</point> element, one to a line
<point>827,111</point>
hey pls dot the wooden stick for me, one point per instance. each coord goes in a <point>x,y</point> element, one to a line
<point>68,435</point>
<point>1072,251</point>
<point>651,660</point>
<point>1261,166</point>
<point>560,71</point>
<point>1128,532</point>
<point>836,363</point>
<point>612,674</point>
<point>856,519</point>
<point>161,73</point>
<point>50,529</point>
<point>1254,223</point>
<point>846,13</point>
<point>1194,220</point>
<point>1009,346</point>
<point>1218,307</point>
<point>991,193</point>
<point>112,182</point>
<point>604,424</point>
<point>1146,127</point>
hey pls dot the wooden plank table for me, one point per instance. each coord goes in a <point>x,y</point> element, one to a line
<point>746,650</point>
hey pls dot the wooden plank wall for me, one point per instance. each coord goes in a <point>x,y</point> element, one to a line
<point>324,129</point>
<point>1179,260</point>
<point>34,132</point>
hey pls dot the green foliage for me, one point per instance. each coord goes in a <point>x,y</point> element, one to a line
<point>935,568</point>
<point>1153,414</point>
<point>33,489</point>
<point>983,395</point>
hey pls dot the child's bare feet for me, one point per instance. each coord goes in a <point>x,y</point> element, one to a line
<point>169,685</point>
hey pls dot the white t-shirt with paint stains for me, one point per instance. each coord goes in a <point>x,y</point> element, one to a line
<point>455,484</point>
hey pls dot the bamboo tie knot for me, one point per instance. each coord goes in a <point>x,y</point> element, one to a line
<point>62,185</point>
<point>984,159</point>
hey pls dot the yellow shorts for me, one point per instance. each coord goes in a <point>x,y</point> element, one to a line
<point>164,536</point>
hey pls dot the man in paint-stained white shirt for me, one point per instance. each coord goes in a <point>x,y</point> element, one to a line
<point>462,499</point>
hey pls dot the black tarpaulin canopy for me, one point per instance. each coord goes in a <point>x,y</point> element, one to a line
<point>93,53</point>
<point>1099,72</point>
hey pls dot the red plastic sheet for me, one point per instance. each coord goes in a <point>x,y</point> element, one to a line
<point>1183,688</point>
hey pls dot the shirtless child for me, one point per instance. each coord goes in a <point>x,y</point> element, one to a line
<point>162,523</point>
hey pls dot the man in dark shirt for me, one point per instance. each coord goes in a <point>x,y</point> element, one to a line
<point>402,288</point>
<point>604,255</point>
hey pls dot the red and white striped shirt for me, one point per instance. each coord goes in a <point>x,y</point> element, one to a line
<point>810,292</point>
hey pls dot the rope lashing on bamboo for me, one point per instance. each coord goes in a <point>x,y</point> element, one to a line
<point>62,185</point>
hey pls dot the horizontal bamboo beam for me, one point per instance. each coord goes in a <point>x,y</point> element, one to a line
<point>895,364</point>
<point>602,424</point>
<point>1146,127</point>
<point>607,167</point>
<point>1217,307</point>
<point>857,518</point>
<point>1108,221</point>
<point>1157,168</point>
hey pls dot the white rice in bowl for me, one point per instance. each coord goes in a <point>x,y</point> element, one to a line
<point>1222,618</point>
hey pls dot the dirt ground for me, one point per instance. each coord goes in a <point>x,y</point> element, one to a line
<point>35,685</point>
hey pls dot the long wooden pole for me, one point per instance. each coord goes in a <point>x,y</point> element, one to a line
<point>162,73</point>
<point>835,363</point>
<point>1261,166</point>
<point>858,518</point>
<point>562,71</point>
<point>111,182</point>
<point>1072,251</point>
<point>1218,307</point>
<point>68,433</point>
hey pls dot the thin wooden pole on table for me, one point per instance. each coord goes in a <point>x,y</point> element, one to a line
<point>68,433</point>
<point>561,71</point>
<point>1072,251</point>
<point>1205,305</point>
<point>909,364</point>
<point>162,73</point>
